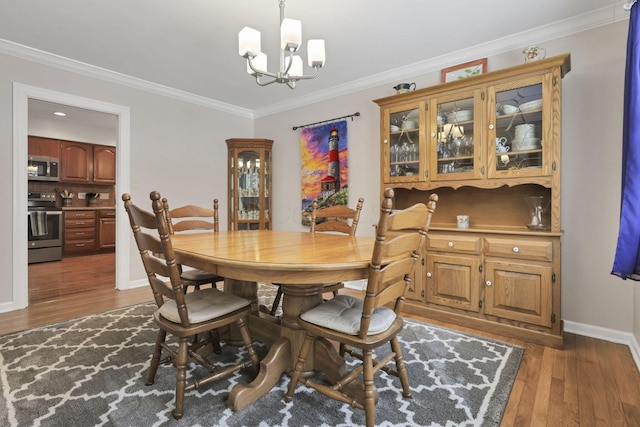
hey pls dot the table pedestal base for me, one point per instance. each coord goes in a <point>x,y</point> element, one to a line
<point>283,354</point>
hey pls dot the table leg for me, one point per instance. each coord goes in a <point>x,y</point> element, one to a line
<point>276,362</point>
<point>283,353</point>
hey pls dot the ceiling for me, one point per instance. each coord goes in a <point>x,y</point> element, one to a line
<point>191,46</point>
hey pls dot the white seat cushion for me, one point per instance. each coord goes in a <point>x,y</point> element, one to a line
<point>343,314</point>
<point>204,305</point>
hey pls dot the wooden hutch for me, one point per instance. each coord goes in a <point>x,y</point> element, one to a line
<point>490,147</point>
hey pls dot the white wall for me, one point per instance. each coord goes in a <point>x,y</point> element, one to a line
<point>592,114</point>
<point>177,147</point>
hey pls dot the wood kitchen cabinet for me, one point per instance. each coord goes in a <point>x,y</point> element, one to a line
<point>80,231</point>
<point>249,179</point>
<point>48,147</point>
<point>89,231</point>
<point>88,163</point>
<point>107,229</point>
<point>490,147</point>
<point>104,164</point>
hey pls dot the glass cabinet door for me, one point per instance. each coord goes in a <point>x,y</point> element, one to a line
<point>248,209</point>
<point>520,128</point>
<point>455,136</point>
<point>249,185</point>
<point>403,159</point>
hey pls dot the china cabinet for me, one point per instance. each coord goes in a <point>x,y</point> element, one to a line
<point>490,147</point>
<point>249,180</point>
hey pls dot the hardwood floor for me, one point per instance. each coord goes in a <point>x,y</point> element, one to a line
<point>589,383</point>
<point>73,287</point>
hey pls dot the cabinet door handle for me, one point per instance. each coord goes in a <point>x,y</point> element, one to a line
<point>488,283</point>
<point>516,249</point>
<point>433,134</point>
<point>491,126</point>
<point>429,274</point>
<point>386,141</point>
<point>450,244</point>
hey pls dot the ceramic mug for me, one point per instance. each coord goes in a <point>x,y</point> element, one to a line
<point>534,53</point>
<point>463,221</point>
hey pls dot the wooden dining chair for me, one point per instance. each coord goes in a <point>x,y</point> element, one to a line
<point>193,218</point>
<point>184,316</point>
<point>336,219</point>
<point>365,324</point>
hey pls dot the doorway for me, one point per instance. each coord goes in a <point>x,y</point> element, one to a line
<point>21,96</point>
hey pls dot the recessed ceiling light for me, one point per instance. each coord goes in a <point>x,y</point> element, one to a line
<point>60,113</point>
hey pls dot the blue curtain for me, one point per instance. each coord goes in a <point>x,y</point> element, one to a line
<point>627,260</point>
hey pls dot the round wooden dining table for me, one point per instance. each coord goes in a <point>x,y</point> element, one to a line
<point>301,262</point>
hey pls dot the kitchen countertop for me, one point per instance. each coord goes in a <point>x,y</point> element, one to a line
<point>87,208</point>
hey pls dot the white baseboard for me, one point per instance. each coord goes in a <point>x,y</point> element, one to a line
<point>612,335</point>
<point>136,284</point>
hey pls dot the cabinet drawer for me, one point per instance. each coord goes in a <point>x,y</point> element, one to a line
<point>109,213</point>
<point>80,245</point>
<point>80,223</point>
<point>88,214</point>
<point>79,233</point>
<point>541,250</point>
<point>454,243</point>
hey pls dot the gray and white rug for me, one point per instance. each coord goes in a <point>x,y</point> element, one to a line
<point>91,371</point>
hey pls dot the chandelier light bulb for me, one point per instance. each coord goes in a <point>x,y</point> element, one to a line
<point>291,66</point>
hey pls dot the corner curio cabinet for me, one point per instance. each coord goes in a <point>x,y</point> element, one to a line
<point>490,147</point>
<point>249,180</point>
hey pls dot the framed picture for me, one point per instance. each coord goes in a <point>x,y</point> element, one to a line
<point>462,71</point>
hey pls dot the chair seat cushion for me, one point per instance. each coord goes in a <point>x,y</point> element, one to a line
<point>195,275</point>
<point>204,305</point>
<point>343,312</point>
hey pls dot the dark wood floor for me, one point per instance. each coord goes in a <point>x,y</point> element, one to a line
<point>588,383</point>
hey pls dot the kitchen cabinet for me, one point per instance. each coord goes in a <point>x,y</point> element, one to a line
<point>107,229</point>
<point>87,163</point>
<point>89,231</point>
<point>76,162</point>
<point>249,184</point>
<point>104,164</point>
<point>48,147</point>
<point>490,147</point>
<point>79,231</point>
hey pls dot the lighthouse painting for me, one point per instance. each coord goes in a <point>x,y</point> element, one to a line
<point>324,166</point>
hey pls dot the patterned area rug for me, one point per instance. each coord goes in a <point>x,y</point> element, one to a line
<point>91,371</point>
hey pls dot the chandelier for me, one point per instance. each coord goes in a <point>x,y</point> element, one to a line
<point>290,64</point>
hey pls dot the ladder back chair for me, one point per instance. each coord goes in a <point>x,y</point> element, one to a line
<point>336,218</point>
<point>363,325</point>
<point>185,316</point>
<point>193,218</point>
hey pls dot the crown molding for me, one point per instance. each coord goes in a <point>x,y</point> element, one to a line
<point>577,24</point>
<point>604,16</point>
<point>60,62</point>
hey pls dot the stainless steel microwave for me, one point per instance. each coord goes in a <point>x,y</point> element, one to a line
<point>43,168</point>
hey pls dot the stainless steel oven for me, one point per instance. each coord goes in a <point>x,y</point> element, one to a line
<point>44,228</point>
